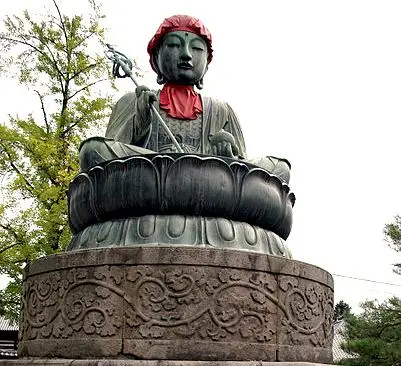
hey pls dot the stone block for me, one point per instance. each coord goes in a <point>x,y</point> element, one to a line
<point>176,304</point>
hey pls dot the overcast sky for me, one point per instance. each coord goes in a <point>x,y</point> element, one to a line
<point>316,82</point>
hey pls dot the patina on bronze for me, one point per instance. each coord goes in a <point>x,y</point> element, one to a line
<point>121,61</point>
<point>144,123</point>
<point>177,256</point>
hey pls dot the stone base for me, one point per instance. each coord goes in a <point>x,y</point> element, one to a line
<point>176,303</point>
<point>69,362</point>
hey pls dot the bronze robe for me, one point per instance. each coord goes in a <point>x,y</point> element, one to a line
<point>125,136</point>
<point>216,116</point>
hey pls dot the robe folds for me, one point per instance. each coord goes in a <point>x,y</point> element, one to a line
<point>125,135</point>
<point>216,115</point>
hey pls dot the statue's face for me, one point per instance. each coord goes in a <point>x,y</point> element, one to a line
<point>182,57</point>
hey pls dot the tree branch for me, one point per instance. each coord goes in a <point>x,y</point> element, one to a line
<point>23,42</point>
<point>16,169</point>
<point>42,167</point>
<point>85,69</point>
<point>62,24</point>
<point>67,78</point>
<point>84,39</point>
<point>7,248</point>
<point>388,326</point>
<point>44,111</point>
<point>85,87</point>
<point>70,127</point>
<point>9,229</point>
<point>28,183</point>
<point>26,43</point>
<point>52,59</point>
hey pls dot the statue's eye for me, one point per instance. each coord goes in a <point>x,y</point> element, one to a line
<point>173,45</point>
<point>198,46</point>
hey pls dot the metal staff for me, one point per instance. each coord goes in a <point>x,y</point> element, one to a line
<point>120,60</point>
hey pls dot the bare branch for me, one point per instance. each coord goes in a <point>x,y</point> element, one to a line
<point>82,71</point>
<point>62,23</point>
<point>44,111</point>
<point>28,183</point>
<point>23,42</point>
<point>67,78</point>
<point>85,87</point>
<point>17,170</point>
<point>69,128</point>
<point>9,229</point>
<point>84,39</point>
<point>65,91</point>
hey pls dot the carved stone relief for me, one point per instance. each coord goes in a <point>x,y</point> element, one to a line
<point>152,302</point>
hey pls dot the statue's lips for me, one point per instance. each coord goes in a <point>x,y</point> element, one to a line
<point>185,66</point>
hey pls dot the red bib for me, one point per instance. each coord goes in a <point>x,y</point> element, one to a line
<point>180,101</point>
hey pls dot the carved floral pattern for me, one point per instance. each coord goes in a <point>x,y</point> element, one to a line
<point>309,311</point>
<point>61,304</point>
<point>180,302</point>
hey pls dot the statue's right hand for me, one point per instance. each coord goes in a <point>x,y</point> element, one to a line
<point>145,97</point>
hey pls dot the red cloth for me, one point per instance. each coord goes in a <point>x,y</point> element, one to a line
<point>180,101</point>
<point>181,23</point>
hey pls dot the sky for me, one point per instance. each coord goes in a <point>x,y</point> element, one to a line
<point>316,82</point>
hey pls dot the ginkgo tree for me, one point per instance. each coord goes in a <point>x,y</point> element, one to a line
<point>60,59</point>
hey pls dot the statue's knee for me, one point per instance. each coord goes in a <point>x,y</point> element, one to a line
<point>91,144</point>
<point>277,166</point>
<point>90,152</point>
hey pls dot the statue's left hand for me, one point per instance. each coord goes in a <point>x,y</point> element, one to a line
<point>223,144</point>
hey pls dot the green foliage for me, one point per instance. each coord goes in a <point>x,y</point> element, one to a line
<point>60,59</point>
<point>341,310</point>
<point>9,302</point>
<point>392,233</point>
<point>375,335</point>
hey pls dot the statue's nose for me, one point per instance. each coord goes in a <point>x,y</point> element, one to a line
<point>186,53</point>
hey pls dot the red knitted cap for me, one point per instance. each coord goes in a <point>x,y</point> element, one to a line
<point>181,23</point>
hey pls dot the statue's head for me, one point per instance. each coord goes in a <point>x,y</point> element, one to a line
<point>181,50</point>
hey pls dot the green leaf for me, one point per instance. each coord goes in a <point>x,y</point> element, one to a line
<point>60,59</point>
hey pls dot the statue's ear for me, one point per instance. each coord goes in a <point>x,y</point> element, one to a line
<point>160,79</point>
<point>199,84</point>
<point>155,56</point>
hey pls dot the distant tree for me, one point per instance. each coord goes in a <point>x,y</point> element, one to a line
<point>392,233</point>
<point>341,310</point>
<point>60,59</point>
<point>375,334</point>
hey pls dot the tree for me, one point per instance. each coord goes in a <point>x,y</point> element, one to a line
<point>341,310</point>
<point>392,233</point>
<point>60,59</point>
<point>375,334</point>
